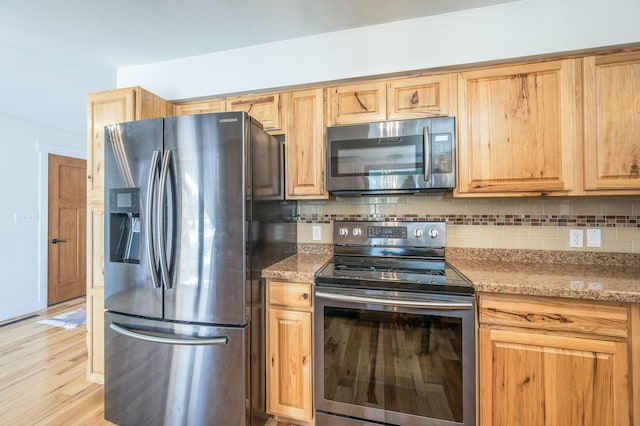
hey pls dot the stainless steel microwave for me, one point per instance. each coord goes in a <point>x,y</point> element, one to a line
<point>392,157</point>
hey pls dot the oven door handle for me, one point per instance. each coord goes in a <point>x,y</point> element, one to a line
<point>405,303</point>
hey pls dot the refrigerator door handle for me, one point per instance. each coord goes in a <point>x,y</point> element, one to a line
<point>157,338</point>
<point>162,235</point>
<point>149,228</point>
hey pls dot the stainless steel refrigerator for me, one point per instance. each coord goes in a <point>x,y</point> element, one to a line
<point>194,210</point>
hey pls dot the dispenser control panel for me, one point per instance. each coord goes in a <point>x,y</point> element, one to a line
<point>124,200</point>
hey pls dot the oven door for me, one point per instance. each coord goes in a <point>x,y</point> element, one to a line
<point>394,357</point>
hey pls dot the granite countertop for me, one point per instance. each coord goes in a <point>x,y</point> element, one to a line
<point>606,277</point>
<point>588,282</point>
<point>299,267</point>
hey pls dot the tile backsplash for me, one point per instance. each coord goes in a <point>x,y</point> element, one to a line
<point>511,223</point>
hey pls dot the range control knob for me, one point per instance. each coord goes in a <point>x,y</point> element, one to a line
<point>343,232</point>
<point>433,232</point>
<point>356,232</point>
<point>418,233</point>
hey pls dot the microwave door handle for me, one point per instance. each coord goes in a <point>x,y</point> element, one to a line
<point>149,220</point>
<point>426,140</point>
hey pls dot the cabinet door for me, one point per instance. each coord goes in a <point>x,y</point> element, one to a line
<point>305,145</point>
<point>289,369</point>
<point>517,129</point>
<point>420,97</point>
<point>149,105</point>
<point>114,106</point>
<point>95,335</point>
<point>264,108</point>
<point>540,379</point>
<point>358,103</point>
<point>612,122</point>
<point>201,107</point>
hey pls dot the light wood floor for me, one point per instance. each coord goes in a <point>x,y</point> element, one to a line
<point>43,374</point>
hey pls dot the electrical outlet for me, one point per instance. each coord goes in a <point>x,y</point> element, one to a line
<point>576,237</point>
<point>317,233</point>
<point>594,237</point>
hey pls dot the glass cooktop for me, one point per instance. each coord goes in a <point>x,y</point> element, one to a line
<point>392,273</point>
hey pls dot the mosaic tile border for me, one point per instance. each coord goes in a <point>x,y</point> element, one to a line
<point>578,221</point>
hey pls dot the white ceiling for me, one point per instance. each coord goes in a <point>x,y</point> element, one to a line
<point>55,52</point>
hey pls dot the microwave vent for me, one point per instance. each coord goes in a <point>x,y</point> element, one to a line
<point>396,139</point>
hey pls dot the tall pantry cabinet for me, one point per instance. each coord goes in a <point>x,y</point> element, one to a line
<point>103,108</point>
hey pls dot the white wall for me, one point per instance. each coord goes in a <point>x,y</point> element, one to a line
<point>19,193</point>
<point>511,30</point>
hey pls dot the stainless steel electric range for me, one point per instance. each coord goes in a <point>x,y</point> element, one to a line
<point>394,329</point>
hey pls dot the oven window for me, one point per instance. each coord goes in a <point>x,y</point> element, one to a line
<point>394,361</point>
<point>371,157</point>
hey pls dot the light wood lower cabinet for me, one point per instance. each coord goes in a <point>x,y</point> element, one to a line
<point>289,350</point>
<point>546,361</point>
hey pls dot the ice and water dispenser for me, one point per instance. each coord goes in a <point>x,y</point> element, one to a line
<point>124,225</point>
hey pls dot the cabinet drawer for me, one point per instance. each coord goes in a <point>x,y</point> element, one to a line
<point>565,315</point>
<point>289,293</point>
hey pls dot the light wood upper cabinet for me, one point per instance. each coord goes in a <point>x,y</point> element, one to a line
<point>358,103</point>
<point>399,99</point>
<point>612,122</point>
<point>289,350</point>
<point>200,107</point>
<point>551,361</point>
<point>114,106</point>
<point>265,108</point>
<point>103,108</point>
<point>518,130</point>
<point>418,97</point>
<point>305,144</point>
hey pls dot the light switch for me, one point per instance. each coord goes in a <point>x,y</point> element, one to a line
<point>317,233</point>
<point>25,218</point>
<point>594,237</point>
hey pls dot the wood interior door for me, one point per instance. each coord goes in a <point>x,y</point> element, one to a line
<point>67,228</point>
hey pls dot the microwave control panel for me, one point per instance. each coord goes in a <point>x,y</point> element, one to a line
<point>442,153</point>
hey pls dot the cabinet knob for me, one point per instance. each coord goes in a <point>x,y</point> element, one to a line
<point>305,296</point>
<point>635,170</point>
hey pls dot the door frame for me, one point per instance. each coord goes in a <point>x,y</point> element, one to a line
<point>44,150</point>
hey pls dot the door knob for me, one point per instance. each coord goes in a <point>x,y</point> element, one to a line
<point>56,241</point>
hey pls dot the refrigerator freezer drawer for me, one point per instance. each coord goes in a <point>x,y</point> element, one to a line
<point>163,373</point>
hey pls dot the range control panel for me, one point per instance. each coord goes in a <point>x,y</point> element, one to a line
<point>397,234</point>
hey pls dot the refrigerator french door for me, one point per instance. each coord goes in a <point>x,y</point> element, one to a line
<point>190,220</point>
